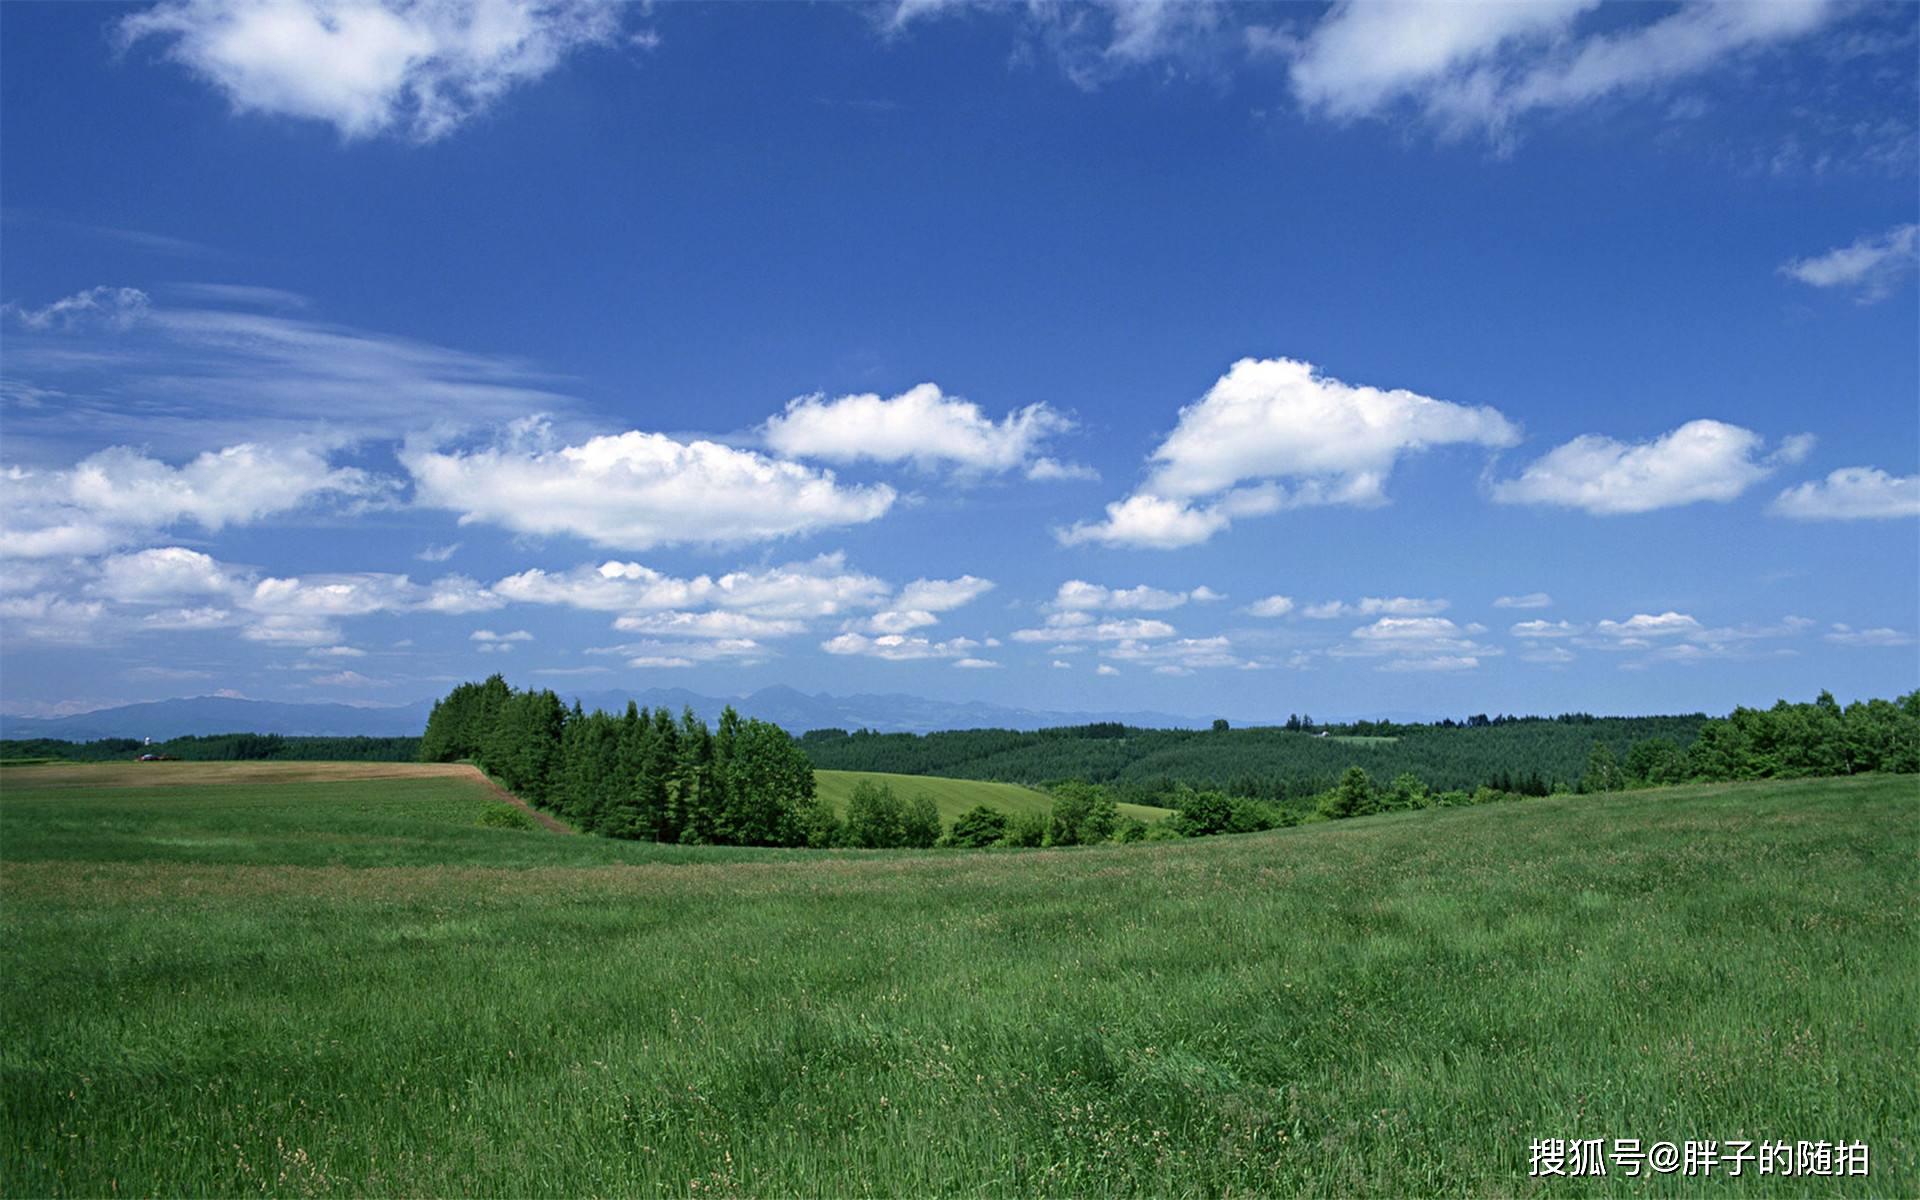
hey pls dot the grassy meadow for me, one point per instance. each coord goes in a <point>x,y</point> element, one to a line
<point>955,796</point>
<point>344,985</point>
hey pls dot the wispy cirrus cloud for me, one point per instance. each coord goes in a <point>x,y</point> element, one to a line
<point>1870,268</point>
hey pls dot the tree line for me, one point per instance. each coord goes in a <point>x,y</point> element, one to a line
<point>642,775</point>
<point>222,747</point>
<point>1787,741</point>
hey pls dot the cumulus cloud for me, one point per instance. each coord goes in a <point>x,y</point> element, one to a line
<point>1648,625</point>
<point>820,587</point>
<point>367,67</point>
<point>1180,656</point>
<point>920,602</point>
<point>1072,626</point>
<point>1079,595</point>
<point>1546,629</point>
<point>1529,600</point>
<point>714,623</point>
<point>1417,644</point>
<point>488,635</point>
<point>896,647</point>
<point>1482,67</point>
<point>1106,669</point>
<point>922,425</point>
<point>1851,494</point>
<point>1149,521</point>
<point>636,491</point>
<point>1870,268</point>
<point>1701,460</point>
<point>976,664</point>
<point>1274,434</point>
<point>1376,606</point>
<point>1271,606</point>
<point>120,494</point>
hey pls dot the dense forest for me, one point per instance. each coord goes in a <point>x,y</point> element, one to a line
<point>1274,764</point>
<point>221,747</point>
<point>1523,755</point>
<point>642,775</point>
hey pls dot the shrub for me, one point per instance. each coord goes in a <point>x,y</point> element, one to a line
<point>920,822</point>
<point>820,826</point>
<point>1351,797</point>
<point>1201,814</point>
<point>1130,829</point>
<point>506,816</point>
<point>1027,829</point>
<point>981,825</point>
<point>875,818</point>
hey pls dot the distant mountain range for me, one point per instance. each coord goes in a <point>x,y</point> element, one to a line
<point>790,708</point>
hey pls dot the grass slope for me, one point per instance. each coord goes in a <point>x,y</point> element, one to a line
<point>358,991</point>
<point>955,796</point>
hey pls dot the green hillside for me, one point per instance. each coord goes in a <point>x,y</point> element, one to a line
<point>341,985</point>
<point>955,796</point>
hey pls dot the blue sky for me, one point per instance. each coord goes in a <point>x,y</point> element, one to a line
<point>1202,358</point>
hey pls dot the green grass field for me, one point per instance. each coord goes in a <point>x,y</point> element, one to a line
<point>302,987</point>
<point>955,796</point>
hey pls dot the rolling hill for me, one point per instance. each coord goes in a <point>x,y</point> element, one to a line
<point>955,796</point>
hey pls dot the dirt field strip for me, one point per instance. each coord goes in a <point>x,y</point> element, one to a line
<point>547,820</point>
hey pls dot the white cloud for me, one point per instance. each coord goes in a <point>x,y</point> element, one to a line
<point>1851,494</point>
<point>438,554</point>
<point>941,595</point>
<point>347,679</point>
<point>1106,669</point>
<point>181,619</point>
<point>488,635</point>
<point>1181,656</point>
<point>46,617</point>
<point>1271,606</point>
<point>674,654</point>
<point>640,490</point>
<point>1071,627</point>
<point>1870,268</point>
<point>1549,655</point>
<point>1701,460</point>
<point>188,377</point>
<point>1060,664</point>
<point>1049,470</point>
<point>369,66</point>
<point>1546,629</point>
<point>895,647</point>
<point>1645,625</point>
<point>1530,600</point>
<point>1417,644</point>
<point>116,308</point>
<point>1149,521</point>
<point>921,425</point>
<point>976,664</point>
<point>165,573</point>
<point>284,629</point>
<point>120,494</point>
<point>1377,606</point>
<point>336,652</point>
<point>1096,41</point>
<point>1293,437</point>
<point>710,624</point>
<point>1467,67</point>
<point>1847,635</point>
<point>1079,595</point>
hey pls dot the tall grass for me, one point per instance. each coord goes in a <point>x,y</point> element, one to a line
<point>361,991</point>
